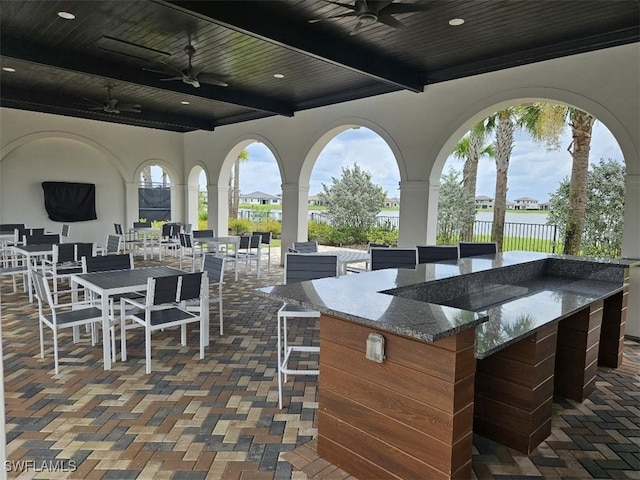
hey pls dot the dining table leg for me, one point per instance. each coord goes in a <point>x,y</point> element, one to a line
<point>106,332</point>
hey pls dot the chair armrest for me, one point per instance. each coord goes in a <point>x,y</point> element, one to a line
<point>130,301</point>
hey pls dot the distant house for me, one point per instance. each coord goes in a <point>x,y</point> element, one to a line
<point>314,200</point>
<point>484,202</point>
<point>545,206</point>
<point>511,205</point>
<point>526,203</point>
<point>393,202</point>
<point>260,198</point>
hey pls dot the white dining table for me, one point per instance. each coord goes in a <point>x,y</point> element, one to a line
<point>115,282</point>
<point>150,237</point>
<point>32,253</point>
<point>214,244</point>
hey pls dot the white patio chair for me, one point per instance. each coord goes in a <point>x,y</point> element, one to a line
<point>161,309</point>
<point>297,268</point>
<point>58,316</point>
<point>214,266</point>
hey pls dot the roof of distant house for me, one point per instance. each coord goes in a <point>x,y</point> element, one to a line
<point>483,197</point>
<point>261,195</point>
<point>526,199</point>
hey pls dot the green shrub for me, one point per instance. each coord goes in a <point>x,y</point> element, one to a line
<point>386,235</point>
<point>240,226</point>
<point>273,226</point>
<point>320,232</point>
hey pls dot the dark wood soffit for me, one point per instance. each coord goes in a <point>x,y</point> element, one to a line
<point>42,102</point>
<point>21,50</point>
<point>299,39</point>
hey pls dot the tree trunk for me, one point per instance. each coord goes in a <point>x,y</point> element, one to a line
<point>146,176</point>
<point>236,188</point>
<point>470,175</point>
<point>581,126</point>
<point>503,147</point>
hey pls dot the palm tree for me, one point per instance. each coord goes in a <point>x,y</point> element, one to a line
<point>234,191</point>
<point>471,148</point>
<point>551,121</point>
<point>146,176</point>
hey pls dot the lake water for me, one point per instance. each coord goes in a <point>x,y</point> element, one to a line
<point>510,217</point>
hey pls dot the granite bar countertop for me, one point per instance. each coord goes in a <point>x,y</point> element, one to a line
<point>519,290</point>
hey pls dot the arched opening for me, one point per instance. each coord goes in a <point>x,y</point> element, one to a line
<point>360,161</point>
<point>526,209</point>
<point>154,194</point>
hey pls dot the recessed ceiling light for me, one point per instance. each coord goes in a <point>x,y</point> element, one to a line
<point>456,21</point>
<point>278,75</point>
<point>8,69</point>
<point>184,102</point>
<point>66,15</point>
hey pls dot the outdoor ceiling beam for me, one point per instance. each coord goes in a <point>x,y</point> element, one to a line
<point>565,48</point>
<point>21,50</point>
<point>300,38</point>
<point>40,101</point>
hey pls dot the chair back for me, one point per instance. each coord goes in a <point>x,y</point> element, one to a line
<point>113,244</point>
<point>10,227</point>
<point>185,240</point>
<point>141,224</point>
<point>161,290</point>
<point>105,263</point>
<point>203,233</point>
<point>41,239</point>
<point>191,286</point>
<point>65,232</point>
<point>170,230</point>
<point>118,229</point>
<point>255,240</point>
<point>376,245</point>
<point>301,267</point>
<point>434,253</point>
<point>84,249</point>
<point>214,266</point>
<point>393,258</point>
<point>266,237</point>
<point>187,228</point>
<point>471,249</point>
<point>305,247</point>
<point>64,253</point>
<point>42,290</point>
<point>245,241</point>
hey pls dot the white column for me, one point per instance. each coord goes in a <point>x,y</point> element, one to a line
<point>418,213</point>
<point>191,206</point>
<point>131,213</point>
<point>218,209</point>
<point>631,249</point>
<point>631,232</point>
<point>294,215</point>
<point>177,203</point>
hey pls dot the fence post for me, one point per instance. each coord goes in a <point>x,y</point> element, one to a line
<point>555,239</point>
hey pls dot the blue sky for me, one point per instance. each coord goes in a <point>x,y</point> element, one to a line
<point>533,172</point>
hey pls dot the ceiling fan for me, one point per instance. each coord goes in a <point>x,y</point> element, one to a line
<point>369,12</point>
<point>191,75</point>
<point>112,105</point>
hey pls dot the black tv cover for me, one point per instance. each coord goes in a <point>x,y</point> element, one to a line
<point>70,202</point>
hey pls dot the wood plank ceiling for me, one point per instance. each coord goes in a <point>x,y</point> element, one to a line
<point>64,66</point>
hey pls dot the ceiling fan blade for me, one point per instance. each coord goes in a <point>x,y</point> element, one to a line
<point>390,21</point>
<point>357,28</point>
<point>212,80</point>
<point>172,67</point>
<point>172,78</point>
<point>378,5</point>
<point>342,15</point>
<point>394,8</point>
<point>93,102</point>
<point>130,108</point>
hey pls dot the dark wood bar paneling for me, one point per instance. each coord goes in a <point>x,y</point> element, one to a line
<point>577,353</point>
<point>514,392</point>
<point>614,318</point>
<point>408,417</point>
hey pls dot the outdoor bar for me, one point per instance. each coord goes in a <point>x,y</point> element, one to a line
<point>474,345</point>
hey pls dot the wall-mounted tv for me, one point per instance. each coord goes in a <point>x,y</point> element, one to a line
<point>70,202</point>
